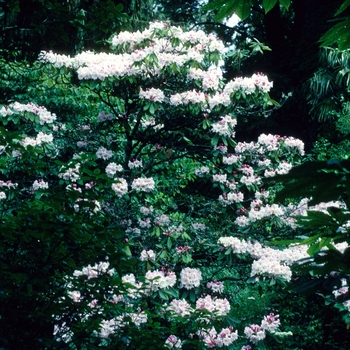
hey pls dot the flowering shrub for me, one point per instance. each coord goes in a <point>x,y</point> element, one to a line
<point>138,201</point>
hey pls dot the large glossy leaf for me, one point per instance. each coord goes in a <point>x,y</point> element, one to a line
<point>343,7</point>
<point>212,5</point>
<point>285,3</point>
<point>268,5</point>
<point>323,181</point>
<point>339,33</point>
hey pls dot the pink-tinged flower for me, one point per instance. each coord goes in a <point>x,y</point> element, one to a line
<point>173,342</point>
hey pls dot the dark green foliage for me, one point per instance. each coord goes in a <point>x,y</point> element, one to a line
<point>323,181</point>
<point>30,26</point>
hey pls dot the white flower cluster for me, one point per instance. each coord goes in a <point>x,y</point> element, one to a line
<point>222,178</point>
<point>249,85</point>
<point>40,185</point>
<point>162,220</point>
<point>198,226</point>
<point>135,164</point>
<point>270,262</point>
<point>231,197</point>
<point>216,286</point>
<point>135,291</point>
<point>147,255</point>
<point>231,159</point>
<point>100,66</point>
<point>225,126</point>
<point>210,79</point>
<point>283,168</point>
<point>144,223</point>
<point>95,271</point>
<point>8,184</point>
<point>40,139</point>
<point>155,52</point>
<point>279,146</point>
<point>70,174</point>
<point>110,327</point>
<point>45,117</point>
<point>256,333</point>
<point>188,97</point>
<point>209,42</point>
<point>213,339</point>
<point>151,122</point>
<point>271,322</point>
<point>190,278</point>
<point>250,180</point>
<point>159,280</point>
<point>173,342</point>
<point>2,196</point>
<point>180,307</point>
<point>269,267</point>
<point>217,306</point>
<point>102,117</point>
<point>112,169</point>
<point>146,210</point>
<point>342,291</point>
<point>75,296</point>
<point>151,94</point>
<point>202,171</point>
<point>292,142</point>
<point>93,204</point>
<point>260,213</point>
<point>120,188</point>
<point>143,184</point>
<point>104,153</point>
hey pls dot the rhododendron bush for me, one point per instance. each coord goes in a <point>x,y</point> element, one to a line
<point>152,216</point>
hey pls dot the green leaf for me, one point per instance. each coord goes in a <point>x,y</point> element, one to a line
<point>215,140</point>
<point>163,295</point>
<point>285,3</point>
<point>152,108</point>
<point>339,33</point>
<point>192,296</point>
<point>240,7</point>
<point>343,7</point>
<point>169,243</point>
<point>213,5</point>
<point>243,9</point>
<point>268,5</point>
